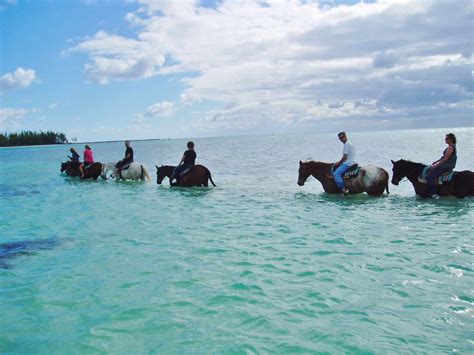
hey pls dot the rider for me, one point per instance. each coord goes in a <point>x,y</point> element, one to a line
<point>188,160</point>
<point>88,159</point>
<point>347,160</point>
<point>444,164</point>
<point>128,157</point>
<point>74,158</point>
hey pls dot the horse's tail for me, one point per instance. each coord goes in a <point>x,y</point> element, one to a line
<point>145,173</point>
<point>386,188</point>
<point>210,177</point>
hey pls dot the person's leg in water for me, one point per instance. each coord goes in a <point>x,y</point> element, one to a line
<point>176,175</point>
<point>81,169</point>
<point>338,177</point>
<point>432,180</point>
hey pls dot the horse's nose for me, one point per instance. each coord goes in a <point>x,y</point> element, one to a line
<point>394,182</point>
<point>300,183</point>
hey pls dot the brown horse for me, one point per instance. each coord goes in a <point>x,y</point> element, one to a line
<point>199,175</point>
<point>462,184</point>
<point>72,169</point>
<point>371,179</point>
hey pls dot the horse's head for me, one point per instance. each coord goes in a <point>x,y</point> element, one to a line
<point>303,173</point>
<point>103,173</point>
<point>162,172</point>
<point>64,166</point>
<point>106,167</point>
<point>399,171</point>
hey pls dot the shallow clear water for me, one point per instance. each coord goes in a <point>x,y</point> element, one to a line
<point>258,264</point>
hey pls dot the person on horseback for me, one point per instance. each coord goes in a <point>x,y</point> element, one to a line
<point>88,160</point>
<point>347,160</point>
<point>74,155</point>
<point>187,161</point>
<point>444,164</point>
<point>74,161</point>
<point>128,157</point>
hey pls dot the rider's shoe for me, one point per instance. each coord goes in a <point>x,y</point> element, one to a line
<point>435,197</point>
<point>345,191</point>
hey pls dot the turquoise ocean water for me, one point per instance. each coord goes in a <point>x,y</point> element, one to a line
<point>256,265</point>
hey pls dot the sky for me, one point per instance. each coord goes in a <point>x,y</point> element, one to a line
<point>140,69</point>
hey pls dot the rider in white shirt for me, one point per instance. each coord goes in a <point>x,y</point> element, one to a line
<point>347,160</point>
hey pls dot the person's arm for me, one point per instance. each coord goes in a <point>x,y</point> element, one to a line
<point>444,158</point>
<point>182,159</point>
<point>343,159</point>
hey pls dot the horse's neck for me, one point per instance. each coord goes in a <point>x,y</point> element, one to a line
<point>414,170</point>
<point>169,170</point>
<point>319,170</point>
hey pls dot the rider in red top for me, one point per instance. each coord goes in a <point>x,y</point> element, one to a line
<point>88,159</point>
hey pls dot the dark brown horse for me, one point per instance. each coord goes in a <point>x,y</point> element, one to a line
<point>461,185</point>
<point>72,169</point>
<point>199,175</point>
<point>371,179</point>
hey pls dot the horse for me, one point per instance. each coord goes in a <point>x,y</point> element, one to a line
<point>461,185</point>
<point>198,175</point>
<point>135,171</point>
<point>91,172</point>
<point>371,179</point>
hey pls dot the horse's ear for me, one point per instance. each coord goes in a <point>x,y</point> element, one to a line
<point>156,166</point>
<point>301,163</point>
<point>393,162</point>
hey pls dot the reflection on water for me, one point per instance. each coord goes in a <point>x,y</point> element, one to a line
<point>9,251</point>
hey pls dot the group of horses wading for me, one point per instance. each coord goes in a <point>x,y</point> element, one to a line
<point>370,179</point>
<point>197,176</point>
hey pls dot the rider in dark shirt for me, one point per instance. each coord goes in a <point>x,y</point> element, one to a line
<point>128,156</point>
<point>74,155</point>
<point>188,160</point>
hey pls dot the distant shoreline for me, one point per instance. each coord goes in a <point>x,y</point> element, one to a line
<point>230,136</point>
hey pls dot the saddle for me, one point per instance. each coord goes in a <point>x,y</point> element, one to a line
<point>444,178</point>
<point>352,172</point>
<point>185,171</point>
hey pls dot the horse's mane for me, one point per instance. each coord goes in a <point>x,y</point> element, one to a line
<point>405,162</point>
<point>315,163</point>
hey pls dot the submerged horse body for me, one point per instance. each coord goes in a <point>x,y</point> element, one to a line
<point>371,179</point>
<point>198,175</point>
<point>461,185</point>
<point>91,171</point>
<point>135,171</point>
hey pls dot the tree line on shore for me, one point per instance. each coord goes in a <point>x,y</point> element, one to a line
<point>32,138</point>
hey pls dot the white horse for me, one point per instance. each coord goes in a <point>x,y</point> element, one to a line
<point>134,172</point>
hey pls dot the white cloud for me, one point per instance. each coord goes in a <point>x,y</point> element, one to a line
<point>10,117</point>
<point>296,61</point>
<point>20,78</point>
<point>164,108</point>
<point>118,58</point>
